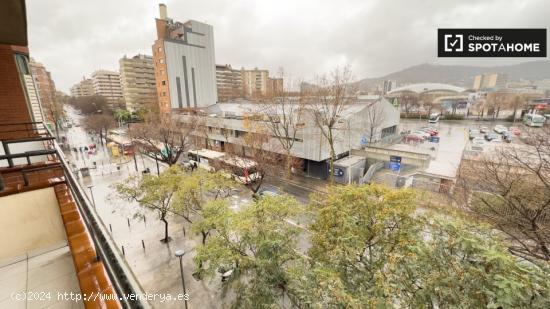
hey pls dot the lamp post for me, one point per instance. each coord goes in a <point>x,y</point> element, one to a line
<point>179,254</point>
<point>92,194</point>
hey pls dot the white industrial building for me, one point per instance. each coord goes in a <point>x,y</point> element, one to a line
<point>225,124</point>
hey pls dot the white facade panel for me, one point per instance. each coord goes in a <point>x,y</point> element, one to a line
<point>197,76</point>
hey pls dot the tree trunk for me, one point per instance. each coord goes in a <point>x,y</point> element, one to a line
<point>166,238</point>
<point>101,136</point>
<point>288,165</point>
<point>514,115</point>
<point>331,159</point>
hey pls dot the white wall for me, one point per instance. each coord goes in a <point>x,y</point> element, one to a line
<point>200,59</point>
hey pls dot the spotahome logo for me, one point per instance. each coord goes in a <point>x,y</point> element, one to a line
<point>491,42</point>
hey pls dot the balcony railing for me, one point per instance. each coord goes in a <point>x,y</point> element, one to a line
<point>122,278</point>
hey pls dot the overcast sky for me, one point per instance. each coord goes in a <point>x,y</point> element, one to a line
<point>305,37</point>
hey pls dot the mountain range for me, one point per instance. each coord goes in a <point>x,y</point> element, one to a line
<point>459,75</point>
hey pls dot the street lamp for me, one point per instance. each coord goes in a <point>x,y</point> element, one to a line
<point>179,254</point>
<point>92,194</point>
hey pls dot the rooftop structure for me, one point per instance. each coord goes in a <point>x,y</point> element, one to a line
<point>423,88</point>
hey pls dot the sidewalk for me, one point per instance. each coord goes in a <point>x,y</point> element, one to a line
<point>304,182</point>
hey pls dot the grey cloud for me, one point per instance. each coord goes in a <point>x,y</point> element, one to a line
<point>73,38</point>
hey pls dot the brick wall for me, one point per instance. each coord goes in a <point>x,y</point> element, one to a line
<point>13,103</point>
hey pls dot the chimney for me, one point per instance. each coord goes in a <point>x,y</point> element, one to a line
<point>163,11</point>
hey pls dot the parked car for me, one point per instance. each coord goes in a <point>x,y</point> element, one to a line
<point>500,129</point>
<point>413,138</point>
<point>492,136</point>
<point>514,130</point>
<point>508,136</point>
<point>421,133</point>
<point>266,191</point>
<point>479,141</point>
<point>474,133</point>
<point>483,129</point>
<point>430,131</point>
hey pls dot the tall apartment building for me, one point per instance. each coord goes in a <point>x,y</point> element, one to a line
<point>137,78</point>
<point>83,88</point>
<point>107,84</point>
<point>229,83</point>
<point>274,86</point>
<point>485,81</point>
<point>185,69</point>
<point>45,88</point>
<point>255,82</point>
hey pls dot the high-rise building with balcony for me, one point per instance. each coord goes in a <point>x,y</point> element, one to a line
<point>107,84</point>
<point>229,82</point>
<point>185,68</point>
<point>255,82</point>
<point>45,87</point>
<point>490,81</point>
<point>83,88</point>
<point>137,77</point>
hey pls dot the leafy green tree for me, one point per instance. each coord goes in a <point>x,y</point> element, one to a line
<point>153,192</point>
<point>256,243</point>
<point>371,249</point>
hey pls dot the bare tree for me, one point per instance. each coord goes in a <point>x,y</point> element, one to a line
<point>517,102</point>
<point>90,104</point>
<point>165,137</point>
<point>100,123</point>
<point>496,101</point>
<point>327,102</point>
<point>510,188</point>
<point>283,120</point>
<point>260,157</point>
<point>375,119</point>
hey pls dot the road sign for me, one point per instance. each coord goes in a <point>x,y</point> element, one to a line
<point>395,163</point>
<point>434,139</point>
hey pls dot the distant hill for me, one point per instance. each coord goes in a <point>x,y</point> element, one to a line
<point>460,75</point>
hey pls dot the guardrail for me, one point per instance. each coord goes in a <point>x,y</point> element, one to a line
<point>122,277</point>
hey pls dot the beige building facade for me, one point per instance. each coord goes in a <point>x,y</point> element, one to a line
<point>83,89</point>
<point>255,82</point>
<point>137,78</point>
<point>229,83</point>
<point>107,84</point>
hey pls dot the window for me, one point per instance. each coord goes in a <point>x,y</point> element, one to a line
<point>161,60</point>
<point>164,93</point>
<point>160,49</point>
<point>163,82</point>
<point>161,72</point>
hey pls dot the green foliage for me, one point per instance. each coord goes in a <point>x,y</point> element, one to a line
<point>256,242</point>
<point>370,247</point>
<point>153,192</point>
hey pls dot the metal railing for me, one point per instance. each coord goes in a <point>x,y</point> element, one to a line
<point>122,278</point>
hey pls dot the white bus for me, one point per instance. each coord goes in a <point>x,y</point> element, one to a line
<point>240,169</point>
<point>434,118</point>
<point>533,120</point>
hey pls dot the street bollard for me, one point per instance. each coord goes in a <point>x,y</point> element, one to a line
<point>123,253</point>
<point>111,228</point>
<point>128,221</point>
<point>143,244</point>
<point>145,220</point>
